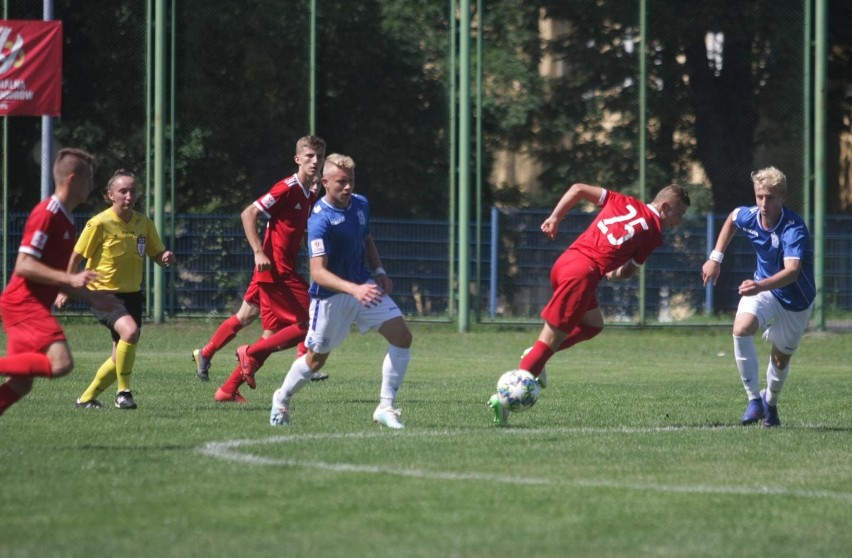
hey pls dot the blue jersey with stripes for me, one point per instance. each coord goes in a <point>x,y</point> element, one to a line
<point>338,234</point>
<point>789,238</point>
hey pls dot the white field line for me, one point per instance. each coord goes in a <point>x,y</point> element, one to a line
<point>235,450</point>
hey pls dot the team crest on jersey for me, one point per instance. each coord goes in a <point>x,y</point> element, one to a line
<point>317,247</point>
<point>267,201</point>
<point>39,240</point>
<point>140,245</point>
<point>775,241</point>
<point>362,219</point>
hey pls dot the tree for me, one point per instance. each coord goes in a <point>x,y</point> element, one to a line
<point>383,95</point>
<point>103,106</point>
<point>703,106</point>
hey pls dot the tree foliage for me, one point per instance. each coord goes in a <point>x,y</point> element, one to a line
<point>704,106</point>
<point>241,74</point>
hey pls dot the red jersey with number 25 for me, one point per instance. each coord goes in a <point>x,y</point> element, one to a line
<point>625,229</point>
<point>287,205</point>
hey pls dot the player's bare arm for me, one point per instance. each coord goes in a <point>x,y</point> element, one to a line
<point>713,266</point>
<point>32,269</point>
<point>165,258</point>
<point>572,196</point>
<point>100,300</point>
<point>626,271</point>
<point>73,266</point>
<point>374,262</point>
<point>786,276</point>
<point>367,294</point>
<point>249,218</point>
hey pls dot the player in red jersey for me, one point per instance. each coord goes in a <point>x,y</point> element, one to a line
<point>248,312</point>
<point>283,293</point>
<point>615,245</point>
<point>35,343</point>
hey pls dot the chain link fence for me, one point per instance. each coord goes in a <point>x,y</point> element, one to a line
<point>726,84</point>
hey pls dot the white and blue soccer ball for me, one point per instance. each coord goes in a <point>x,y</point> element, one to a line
<point>517,390</point>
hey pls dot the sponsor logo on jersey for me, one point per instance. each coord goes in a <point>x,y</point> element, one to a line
<point>39,240</point>
<point>298,205</point>
<point>267,201</point>
<point>337,220</point>
<point>752,232</point>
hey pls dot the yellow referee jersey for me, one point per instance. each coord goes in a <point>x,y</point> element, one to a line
<point>116,249</point>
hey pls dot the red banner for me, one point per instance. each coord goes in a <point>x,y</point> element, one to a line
<point>30,67</point>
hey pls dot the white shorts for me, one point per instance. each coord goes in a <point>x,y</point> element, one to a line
<point>332,317</point>
<point>783,328</point>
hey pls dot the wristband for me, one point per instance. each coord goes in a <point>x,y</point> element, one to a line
<point>717,256</point>
<point>379,271</point>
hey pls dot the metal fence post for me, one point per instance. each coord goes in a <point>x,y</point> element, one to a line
<point>492,280</point>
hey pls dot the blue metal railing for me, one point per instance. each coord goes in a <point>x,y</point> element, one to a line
<point>214,267</point>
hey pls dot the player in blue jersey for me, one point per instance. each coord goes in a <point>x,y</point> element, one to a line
<point>349,287</point>
<point>778,298</point>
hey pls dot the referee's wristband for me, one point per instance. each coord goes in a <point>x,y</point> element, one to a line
<point>379,271</point>
<point>717,256</point>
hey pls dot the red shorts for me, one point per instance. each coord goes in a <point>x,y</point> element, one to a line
<point>30,329</point>
<point>284,302</point>
<point>573,279</point>
<point>252,295</point>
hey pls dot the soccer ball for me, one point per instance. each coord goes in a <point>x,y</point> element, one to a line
<point>517,390</point>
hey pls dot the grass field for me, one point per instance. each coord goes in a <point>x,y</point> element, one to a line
<point>633,450</point>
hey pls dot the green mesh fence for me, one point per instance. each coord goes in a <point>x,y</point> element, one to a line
<point>726,86</point>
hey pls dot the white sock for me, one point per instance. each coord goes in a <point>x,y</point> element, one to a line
<point>745,355</point>
<point>774,382</point>
<point>393,371</point>
<point>297,377</point>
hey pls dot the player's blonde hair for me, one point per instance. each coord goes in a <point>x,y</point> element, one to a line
<point>343,161</point>
<point>770,178</point>
<point>310,142</point>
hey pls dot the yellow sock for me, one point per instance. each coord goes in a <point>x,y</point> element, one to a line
<point>103,378</point>
<point>125,355</point>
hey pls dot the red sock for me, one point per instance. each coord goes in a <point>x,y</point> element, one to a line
<point>9,396</point>
<point>535,360</point>
<point>226,331</point>
<point>580,333</point>
<point>281,340</point>
<point>234,381</point>
<point>26,364</point>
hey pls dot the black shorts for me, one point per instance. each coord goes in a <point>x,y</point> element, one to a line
<point>133,304</point>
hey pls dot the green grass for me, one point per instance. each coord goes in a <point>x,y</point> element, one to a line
<point>633,450</point>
